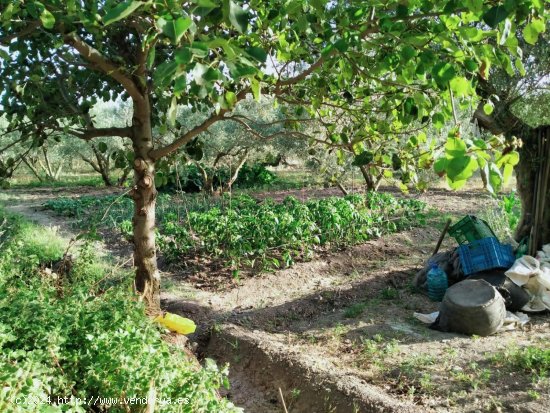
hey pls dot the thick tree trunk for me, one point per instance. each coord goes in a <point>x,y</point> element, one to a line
<point>147,281</point>
<point>530,183</point>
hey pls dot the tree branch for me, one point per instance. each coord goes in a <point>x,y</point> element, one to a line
<point>104,65</point>
<point>31,27</point>
<point>88,134</point>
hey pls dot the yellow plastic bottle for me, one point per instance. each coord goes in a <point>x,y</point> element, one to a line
<point>176,323</point>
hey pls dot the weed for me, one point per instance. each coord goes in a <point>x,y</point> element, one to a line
<point>355,310</point>
<point>389,293</point>
<point>533,360</point>
<point>82,333</point>
<point>533,394</point>
<point>474,376</point>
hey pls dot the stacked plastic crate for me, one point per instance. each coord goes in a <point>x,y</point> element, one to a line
<point>479,248</point>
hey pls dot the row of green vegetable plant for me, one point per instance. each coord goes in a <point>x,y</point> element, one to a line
<point>245,232</point>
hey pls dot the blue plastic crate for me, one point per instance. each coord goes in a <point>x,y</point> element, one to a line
<point>485,254</point>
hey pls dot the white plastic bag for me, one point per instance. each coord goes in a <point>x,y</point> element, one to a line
<point>523,269</point>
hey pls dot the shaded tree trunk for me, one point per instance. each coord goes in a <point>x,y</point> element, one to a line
<point>531,182</point>
<point>147,281</point>
<point>528,172</point>
<point>100,165</point>
<point>369,179</point>
<point>32,168</point>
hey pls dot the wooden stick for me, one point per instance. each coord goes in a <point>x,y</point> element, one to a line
<point>442,236</point>
<point>283,400</point>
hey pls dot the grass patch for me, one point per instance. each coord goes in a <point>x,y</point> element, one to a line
<point>355,310</point>
<point>63,182</point>
<point>532,360</point>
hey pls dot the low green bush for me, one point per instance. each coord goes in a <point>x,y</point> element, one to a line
<point>77,341</point>
<point>189,178</point>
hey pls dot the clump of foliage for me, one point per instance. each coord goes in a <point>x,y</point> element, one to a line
<point>190,179</point>
<point>67,337</point>
<point>505,217</point>
<point>245,232</point>
<point>532,359</point>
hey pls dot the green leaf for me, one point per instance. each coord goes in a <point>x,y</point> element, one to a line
<point>443,73</point>
<point>256,89</point>
<point>151,58</point>
<point>456,184</point>
<point>206,3</point>
<point>461,168</point>
<point>363,158</point>
<point>180,85</point>
<point>165,71</point>
<point>238,17</point>
<point>471,65</point>
<point>102,146</point>
<point>471,34</point>
<point>231,99</point>
<point>257,53</point>
<point>172,111</point>
<point>480,143</point>
<point>488,108</point>
<point>507,173</point>
<point>455,148</point>
<point>438,120</point>
<point>121,11</point>
<point>461,86</point>
<point>440,166</point>
<point>174,29</point>
<point>495,179</point>
<point>495,15</point>
<point>199,49</point>
<point>519,66</point>
<point>475,6</point>
<point>212,75</point>
<point>408,52</point>
<point>532,30</point>
<point>511,158</point>
<point>47,19</point>
<point>341,45</point>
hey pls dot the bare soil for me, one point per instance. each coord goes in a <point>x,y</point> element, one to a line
<point>337,334</point>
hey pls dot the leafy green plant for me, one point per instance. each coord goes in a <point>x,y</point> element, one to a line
<point>245,232</point>
<point>534,360</point>
<point>77,334</point>
<point>511,205</point>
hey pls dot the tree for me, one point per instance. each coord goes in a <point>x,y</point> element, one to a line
<point>257,135</point>
<point>518,109</point>
<point>400,58</point>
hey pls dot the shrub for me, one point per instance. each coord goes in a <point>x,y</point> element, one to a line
<point>82,334</point>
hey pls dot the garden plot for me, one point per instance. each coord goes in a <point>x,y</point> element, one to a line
<point>342,326</point>
<point>337,333</point>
